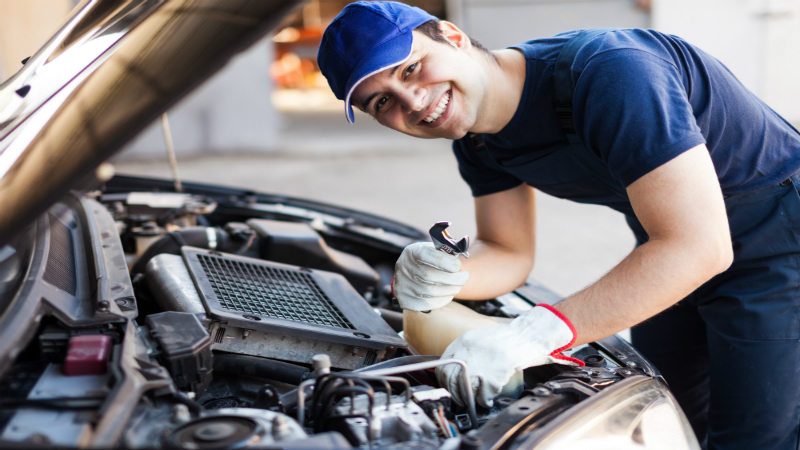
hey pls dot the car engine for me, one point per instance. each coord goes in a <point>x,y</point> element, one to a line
<point>218,318</point>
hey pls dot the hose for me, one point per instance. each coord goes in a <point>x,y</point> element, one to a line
<point>174,240</point>
<point>235,364</point>
<point>393,318</point>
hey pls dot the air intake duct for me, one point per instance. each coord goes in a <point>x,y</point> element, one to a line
<point>298,244</point>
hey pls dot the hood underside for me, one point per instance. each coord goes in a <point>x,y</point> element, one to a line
<point>110,71</point>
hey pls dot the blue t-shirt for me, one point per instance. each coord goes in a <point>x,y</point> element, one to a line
<point>640,99</point>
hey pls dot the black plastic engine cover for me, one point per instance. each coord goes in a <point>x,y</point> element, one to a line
<point>185,348</point>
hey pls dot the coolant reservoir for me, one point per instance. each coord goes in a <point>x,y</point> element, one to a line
<point>430,333</point>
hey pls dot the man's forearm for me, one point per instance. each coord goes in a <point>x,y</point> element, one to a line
<point>494,270</point>
<point>680,205</point>
<point>652,278</point>
<point>502,255</point>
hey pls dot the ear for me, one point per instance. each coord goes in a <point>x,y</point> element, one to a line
<point>453,34</point>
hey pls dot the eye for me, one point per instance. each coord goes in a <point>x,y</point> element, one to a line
<point>409,70</point>
<point>381,102</point>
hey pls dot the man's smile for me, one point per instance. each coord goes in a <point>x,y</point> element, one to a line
<point>438,112</point>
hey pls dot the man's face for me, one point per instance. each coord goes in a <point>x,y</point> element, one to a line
<point>435,93</point>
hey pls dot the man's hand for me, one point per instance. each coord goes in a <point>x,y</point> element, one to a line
<point>494,354</point>
<point>426,278</point>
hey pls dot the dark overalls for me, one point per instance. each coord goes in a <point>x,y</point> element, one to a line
<point>730,351</point>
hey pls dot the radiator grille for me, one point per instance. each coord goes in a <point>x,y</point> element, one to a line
<point>60,271</point>
<point>271,292</point>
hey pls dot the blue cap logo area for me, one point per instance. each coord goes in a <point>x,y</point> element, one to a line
<point>364,39</point>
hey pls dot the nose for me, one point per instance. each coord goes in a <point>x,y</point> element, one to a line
<point>412,98</point>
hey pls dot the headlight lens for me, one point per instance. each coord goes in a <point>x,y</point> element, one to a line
<point>642,416</point>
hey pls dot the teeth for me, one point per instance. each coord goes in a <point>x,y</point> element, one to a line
<point>437,112</point>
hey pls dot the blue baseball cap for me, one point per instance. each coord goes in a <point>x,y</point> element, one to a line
<point>364,39</point>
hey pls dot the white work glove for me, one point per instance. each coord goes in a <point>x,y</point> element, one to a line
<point>493,355</point>
<point>426,278</point>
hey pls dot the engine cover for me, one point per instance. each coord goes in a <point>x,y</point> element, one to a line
<point>287,312</point>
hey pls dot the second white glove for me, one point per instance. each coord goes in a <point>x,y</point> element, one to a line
<point>494,354</point>
<point>426,278</point>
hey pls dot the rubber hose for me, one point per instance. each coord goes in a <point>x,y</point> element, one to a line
<point>235,364</point>
<point>173,241</point>
<point>393,318</point>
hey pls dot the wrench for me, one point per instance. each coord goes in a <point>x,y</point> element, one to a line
<point>443,242</point>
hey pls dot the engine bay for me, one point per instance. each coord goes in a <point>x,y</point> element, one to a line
<point>218,318</point>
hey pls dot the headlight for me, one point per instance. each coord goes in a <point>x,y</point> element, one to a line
<point>639,413</point>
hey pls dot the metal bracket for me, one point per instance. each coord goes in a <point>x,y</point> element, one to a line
<point>571,386</point>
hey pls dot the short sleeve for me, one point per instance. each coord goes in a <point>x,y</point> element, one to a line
<point>482,180</point>
<point>632,110</point>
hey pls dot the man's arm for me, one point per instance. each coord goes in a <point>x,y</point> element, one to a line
<point>501,256</point>
<point>681,207</point>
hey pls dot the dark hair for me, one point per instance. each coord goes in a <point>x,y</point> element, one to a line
<point>432,31</point>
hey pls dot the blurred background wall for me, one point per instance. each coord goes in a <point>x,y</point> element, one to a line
<point>759,40</point>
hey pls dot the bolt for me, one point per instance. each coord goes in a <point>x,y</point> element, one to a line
<point>102,305</point>
<point>626,372</point>
<point>245,333</point>
<point>631,364</point>
<point>541,390</point>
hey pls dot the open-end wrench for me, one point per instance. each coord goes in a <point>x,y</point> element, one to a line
<point>443,242</point>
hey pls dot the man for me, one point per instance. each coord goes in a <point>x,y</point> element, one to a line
<point>644,123</point>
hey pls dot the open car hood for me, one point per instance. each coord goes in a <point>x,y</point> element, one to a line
<point>105,75</point>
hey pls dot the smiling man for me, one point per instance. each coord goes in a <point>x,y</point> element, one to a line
<point>637,120</point>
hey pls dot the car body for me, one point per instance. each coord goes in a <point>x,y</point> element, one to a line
<point>133,315</point>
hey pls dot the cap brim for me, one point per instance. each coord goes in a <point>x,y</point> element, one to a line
<point>385,56</point>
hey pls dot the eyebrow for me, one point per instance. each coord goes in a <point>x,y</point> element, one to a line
<point>366,102</point>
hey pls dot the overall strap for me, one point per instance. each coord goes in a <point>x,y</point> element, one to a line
<point>563,79</point>
<point>476,145</point>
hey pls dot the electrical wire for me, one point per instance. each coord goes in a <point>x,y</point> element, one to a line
<point>446,424</point>
<point>453,429</point>
<point>439,423</point>
<point>442,421</point>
